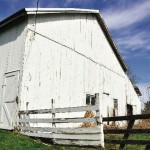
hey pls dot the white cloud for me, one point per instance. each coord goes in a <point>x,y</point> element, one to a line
<point>51,4</point>
<point>80,2</point>
<point>135,41</point>
<point>123,21</point>
<point>117,18</point>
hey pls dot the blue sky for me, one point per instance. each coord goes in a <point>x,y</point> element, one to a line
<point>127,20</point>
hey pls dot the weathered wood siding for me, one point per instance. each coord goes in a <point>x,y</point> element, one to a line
<point>12,45</point>
<point>67,57</point>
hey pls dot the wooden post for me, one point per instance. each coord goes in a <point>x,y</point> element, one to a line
<point>126,135</point>
<point>27,104</point>
<point>27,115</point>
<point>147,147</point>
<point>53,114</point>
<point>114,114</point>
<point>99,120</point>
<point>108,114</point>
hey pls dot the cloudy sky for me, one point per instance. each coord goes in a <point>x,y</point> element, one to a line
<point>127,20</point>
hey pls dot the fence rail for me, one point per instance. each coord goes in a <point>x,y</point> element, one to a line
<point>79,135</point>
<point>91,130</point>
<point>128,131</point>
<point>121,118</point>
<point>59,120</point>
<point>122,131</point>
<point>61,110</point>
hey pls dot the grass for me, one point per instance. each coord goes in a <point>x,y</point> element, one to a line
<point>14,141</point>
<point>131,137</point>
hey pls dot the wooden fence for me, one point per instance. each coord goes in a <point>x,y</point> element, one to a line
<point>92,136</point>
<point>128,131</point>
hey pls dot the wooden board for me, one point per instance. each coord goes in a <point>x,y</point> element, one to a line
<point>91,137</point>
<point>58,120</point>
<point>122,131</point>
<point>62,130</point>
<point>76,143</point>
<point>120,118</point>
<point>61,110</point>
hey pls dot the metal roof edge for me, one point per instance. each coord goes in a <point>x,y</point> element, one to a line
<point>60,10</point>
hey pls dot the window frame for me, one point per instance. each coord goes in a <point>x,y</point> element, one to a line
<point>90,99</point>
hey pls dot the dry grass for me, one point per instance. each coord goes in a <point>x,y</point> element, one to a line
<point>89,114</point>
<point>143,124</point>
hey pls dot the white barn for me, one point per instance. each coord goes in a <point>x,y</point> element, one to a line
<point>63,54</point>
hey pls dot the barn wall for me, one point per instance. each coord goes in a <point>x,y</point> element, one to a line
<point>12,42</point>
<point>11,50</point>
<point>66,58</point>
<point>132,98</point>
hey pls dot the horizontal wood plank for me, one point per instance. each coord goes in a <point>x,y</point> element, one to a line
<point>58,120</point>
<point>89,137</point>
<point>122,131</point>
<point>90,130</point>
<point>139,142</point>
<point>42,135</point>
<point>120,118</point>
<point>76,143</point>
<point>77,137</point>
<point>61,110</point>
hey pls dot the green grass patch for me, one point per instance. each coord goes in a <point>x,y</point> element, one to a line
<point>128,146</point>
<point>15,141</point>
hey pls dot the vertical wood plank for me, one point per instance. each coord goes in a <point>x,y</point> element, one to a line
<point>53,114</point>
<point>99,120</point>
<point>107,114</point>
<point>27,115</point>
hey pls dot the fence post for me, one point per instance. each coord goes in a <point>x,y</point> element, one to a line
<point>27,115</point>
<point>99,119</point>
<point>53,114</point>
<point>126,135</point>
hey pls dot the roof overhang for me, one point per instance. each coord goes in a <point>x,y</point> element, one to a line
<point>22,15</point>
<point>137,90</point>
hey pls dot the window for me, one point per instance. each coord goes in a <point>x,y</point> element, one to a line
<point>93,100</point>
<point>90,99</point>
<point>116,104</point>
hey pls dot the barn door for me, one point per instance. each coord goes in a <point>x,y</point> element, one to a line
<point>129,110</point>
<point>9,107</point>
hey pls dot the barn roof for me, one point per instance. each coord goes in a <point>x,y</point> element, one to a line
<point>22,14</point>
<point>137,90</point>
